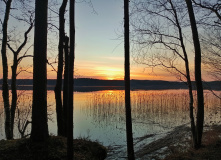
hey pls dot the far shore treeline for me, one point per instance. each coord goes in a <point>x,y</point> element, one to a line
<point>88,84</point>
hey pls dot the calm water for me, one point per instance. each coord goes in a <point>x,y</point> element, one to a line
<point>101,116</point>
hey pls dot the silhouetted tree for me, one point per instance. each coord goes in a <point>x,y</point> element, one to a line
<point>209,21</point>
<point>212,6</point>
<point>198,79</point>
<point>16,61</point>
<point>150,32</point>
<point>5,90</point>
<point>65,86</point>
<point>71,81</point>
<point>39,130</point>
<point>129,130</point>
<point>58,87</point>
<point>10,113</point>
<point>211,52</point>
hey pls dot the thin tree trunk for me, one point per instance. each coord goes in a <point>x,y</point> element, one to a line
<point>39,130</point>
<point>14,67</point>
<point>130,148</point>
<point>65,86</point>
<point>192,123</point>
<point>5,90</point>
<point>199,86</point>
<point>71,82</point>
<point>14,91</point>
<point>58,86</point>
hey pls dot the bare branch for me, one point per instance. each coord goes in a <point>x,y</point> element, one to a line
<point>209,88</point>
<point>53,11</point>
<point>50,64</point>
<point>24,56</point>
<point>26,37</point>
<point>13,51</point>
<point>158,26</point>
<point>22,126</point>
<point>171,48</point>
<point>214,8</point>
<point>23,70</point>
<point>52,25</point>
<point>90,5</point>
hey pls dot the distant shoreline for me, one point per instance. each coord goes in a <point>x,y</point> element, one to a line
<point>87,85</point>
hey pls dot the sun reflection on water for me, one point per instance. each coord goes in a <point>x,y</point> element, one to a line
<point>101,114</point>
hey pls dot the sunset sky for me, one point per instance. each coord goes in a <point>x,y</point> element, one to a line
<point>99,42</point>
<point>99,45</point>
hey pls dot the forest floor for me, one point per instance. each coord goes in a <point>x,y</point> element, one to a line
<point>177,146</point>
<point>53,149</point>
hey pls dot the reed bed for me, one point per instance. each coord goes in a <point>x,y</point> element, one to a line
<point>168,108</point>
<point>164,108</point>
<point>23,112</point>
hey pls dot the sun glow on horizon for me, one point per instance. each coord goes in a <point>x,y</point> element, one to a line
<point>110,78</point>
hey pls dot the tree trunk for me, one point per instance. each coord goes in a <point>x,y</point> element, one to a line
<point>130,148</point>
<point>199,86</point>
<point>192,121</point>
<point>65,86</point>
<point>71,81</point>
<point>58,86</point>
<point>5,91</point>
<point>39,130</point>
<point>14,91</point>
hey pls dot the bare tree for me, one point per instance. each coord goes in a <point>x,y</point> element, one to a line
<point>65,85</point>
<point>16,60</point>
<point>63,51</point>
<point>60,122</point>
<point>212,6</point>
<point>71,81</point>
<point>5,90</point>
<point>211,52</point>
<point>209,22</point>
<point>163,30</point>
<point>198,79</point>
<point>39,130</point>
<point>24,116</point>
<point>129,130</point>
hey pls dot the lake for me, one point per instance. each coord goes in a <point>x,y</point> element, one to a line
<point>100,115</point>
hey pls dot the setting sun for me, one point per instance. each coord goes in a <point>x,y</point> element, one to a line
<point>110,78</point>
<point>108,73</point>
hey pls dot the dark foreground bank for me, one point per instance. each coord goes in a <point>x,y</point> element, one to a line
<point>54,149</point>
